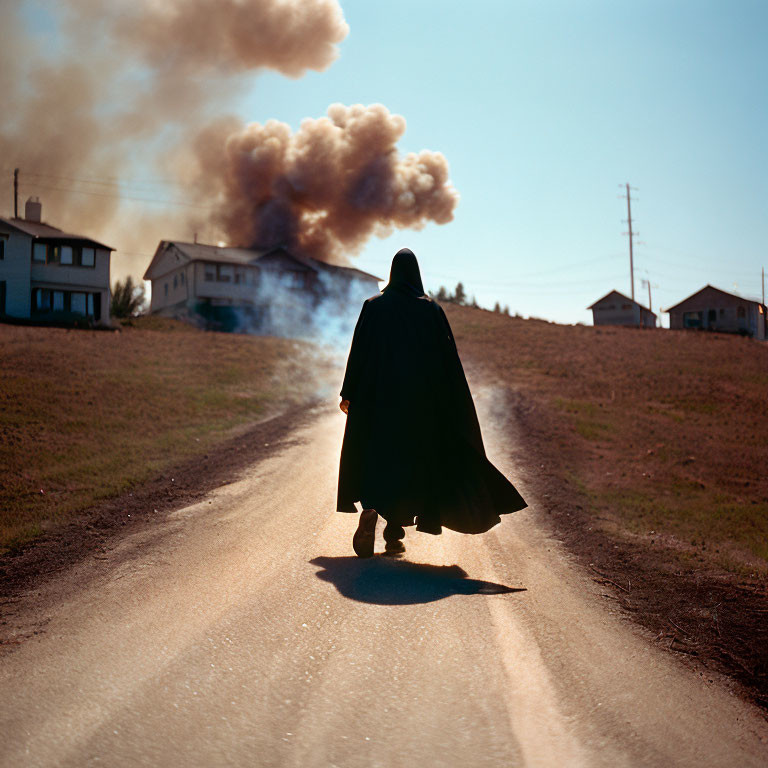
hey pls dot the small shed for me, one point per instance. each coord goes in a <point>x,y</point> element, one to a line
<point>715,310</point>
<point>617,309</point>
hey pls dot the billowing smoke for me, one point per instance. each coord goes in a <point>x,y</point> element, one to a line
<point>94,92</point>
<point>325,189</point>
<point>95,89</point>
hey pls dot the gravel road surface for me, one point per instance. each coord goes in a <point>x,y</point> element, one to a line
<point>242,631</point>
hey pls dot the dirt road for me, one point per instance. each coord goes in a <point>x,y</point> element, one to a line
<point>242,631</point>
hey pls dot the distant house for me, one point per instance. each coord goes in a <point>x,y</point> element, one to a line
<point>247,289</point>
<point>617,309</point>
<point>715,310</point>
<point>51,276</point>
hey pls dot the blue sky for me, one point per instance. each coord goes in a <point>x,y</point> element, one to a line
<point>543,110</point>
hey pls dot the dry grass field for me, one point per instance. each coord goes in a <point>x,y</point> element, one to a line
<point>86,415</point>
<point>662,436</point>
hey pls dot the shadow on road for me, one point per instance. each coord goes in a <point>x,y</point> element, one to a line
<point>387,581</point>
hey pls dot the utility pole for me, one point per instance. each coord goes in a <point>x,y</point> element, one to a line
<point>632,235</point>
<point>762,282</point>
<point>15,193</point>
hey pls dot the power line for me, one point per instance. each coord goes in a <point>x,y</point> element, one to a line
<point>123,197</point>
<point>115,181</point>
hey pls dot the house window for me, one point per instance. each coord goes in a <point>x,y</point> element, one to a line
<point>175,281</point>
<point>77,303</point>
<point>2,248</point>
<point>58,301</point>
<point>611,306</point>
<point>54,254</point>
<point>711,316</point>
<point>42,299</point>
<point>182,278</point>
<point>226,273</point>
<point>210,272</point>
<point>39,252</point>
<point>166,289</point>
<point>66,254</point>
<point>626,306</point>
<point>90,305</point>
<point>87,257</point>
<point>691,319</point>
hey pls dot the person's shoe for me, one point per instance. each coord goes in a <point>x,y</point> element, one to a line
<point>362,541</point>
<point>393,548</point>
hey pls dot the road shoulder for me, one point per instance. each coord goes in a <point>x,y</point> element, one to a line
<point>30,577</point>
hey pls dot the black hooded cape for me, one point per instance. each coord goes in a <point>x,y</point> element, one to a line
<point>412,445</point>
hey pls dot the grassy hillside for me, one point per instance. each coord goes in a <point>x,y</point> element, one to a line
<point>84,415</point>
<point>662,435</point>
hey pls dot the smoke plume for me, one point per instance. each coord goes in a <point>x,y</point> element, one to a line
<point>325,189</point>
<point>95,90</point>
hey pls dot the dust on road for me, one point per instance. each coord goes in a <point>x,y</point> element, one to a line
<point>248,634</point>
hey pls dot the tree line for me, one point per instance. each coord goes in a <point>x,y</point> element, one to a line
<point>459,296</point>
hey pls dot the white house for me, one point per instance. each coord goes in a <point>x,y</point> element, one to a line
<point>48,275</point>
<point>272,291</point>
<point>617,309</point>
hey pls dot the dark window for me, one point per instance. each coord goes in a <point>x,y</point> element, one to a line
<point>39,252</point>
<point>41,300</point>
<point>87,257</point>
<point>691,319</point>
<point>210,272</point>
<point>626,306</point>
<point>226,273</point>
<point>2,296</point>
<point>2,248</point>
<point>711,316</point>
<point>182,278</point>
<point>166,289</point>
<point>175,281</point>
<point>77,303</point>
<point>66,254</point>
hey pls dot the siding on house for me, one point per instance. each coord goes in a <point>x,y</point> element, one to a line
<point>15,271</point>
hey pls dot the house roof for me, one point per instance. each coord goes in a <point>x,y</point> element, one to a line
<point>716,290</point>
<point>39,230</point>
<point>623,298</point>
<point>225,254</point>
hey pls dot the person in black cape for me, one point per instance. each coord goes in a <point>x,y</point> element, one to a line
<point>412,449</point>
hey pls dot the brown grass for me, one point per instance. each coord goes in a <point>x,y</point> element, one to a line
<point>663,433</point>
<point>85,415</point>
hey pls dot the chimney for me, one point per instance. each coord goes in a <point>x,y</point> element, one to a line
<point>33,209</point>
